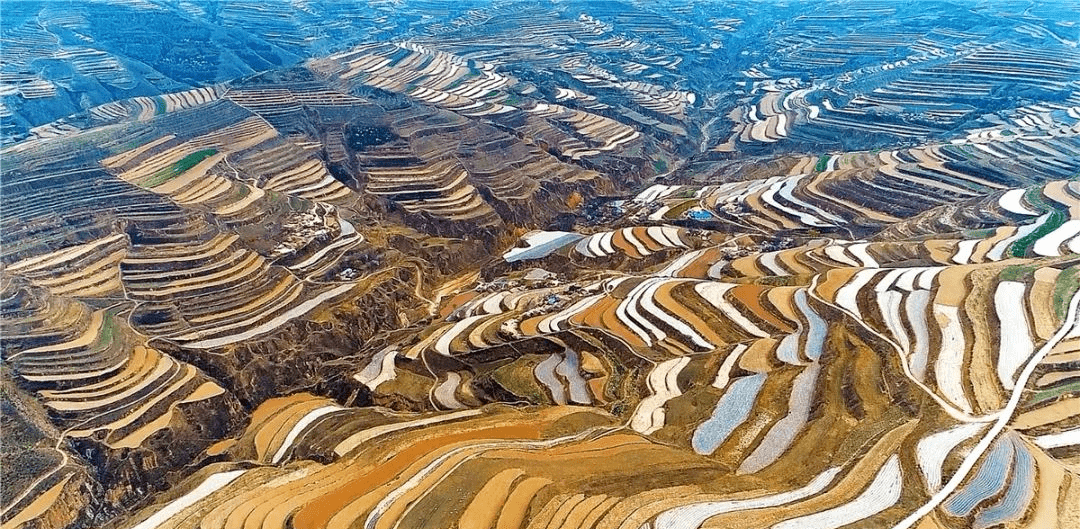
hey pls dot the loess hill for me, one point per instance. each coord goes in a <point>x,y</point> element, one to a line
<point>515,265</point>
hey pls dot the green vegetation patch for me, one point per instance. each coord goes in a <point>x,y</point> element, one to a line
<point>678,211</point>
<point>979,234</point>
<point>107,332</point>
<point>1021,246</point>
<point>517,378</point>
<point>1068,282</point>
<point>660,166</point>
<point>1048,394</point>
<point>241,191</point>
<point>108,327</point>
<point>1020,273</point>
<point>686,192</point>
<point>1035,197</point>
<point>822,163</point>
<point>178,168</point>
<point>159,105</point>
<point>133,144</point>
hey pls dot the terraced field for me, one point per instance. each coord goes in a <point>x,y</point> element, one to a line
<point>104,388</point>
<point>570,265</point>
<point>721,405</point>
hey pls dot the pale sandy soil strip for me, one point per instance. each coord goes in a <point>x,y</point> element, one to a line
<point>295,312</point>
<point>442,345</point>
<point>444,393</point>
<point>555,512</point>
<point>916,309</point>
<point>1003,419</point>
<point>89,336</point>
<point>248,267</point>
<point>1053,413</point>
<point>1048,244</point>
<point>847,296</point>
<point>485,507</point>
<point>693,515</point>
<point>397,500</point>
<point>576,517</point>
<point>514,511</point>
<point>207,487</point>
<point>949,368</point>
<point>998,251</point>
<point>569,370</point>
<point>142,361</point>
<point>882,493</point>
<point>134,415</point>
<point>188,177</point>
<point>648,303</point>
<point>380,369</point>
<point>1051,474</point>
<point>288,286</point>
<point>39,506</point>
<point>781,436</point>
<point>363,436</point>
<point>545,373</point>
<point>298,428</point>
<point>1015,334</point>
<point>932,450</point>
<point>136,438</point>
<point>1057,191</point>
<point>253,195</point>
<point>57,258</point>
<point>87,402</point>
<point>204,250</point>
<point>714,293</point>
<point>964,250</point>
<point>663,386</point>
<point>1059,439</point>
<point>1011,202</point>
<point>81,375</point>
<point>118,160</point>
<point>106,275</point>
<point>723,375</point>
<point>343,240</point>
